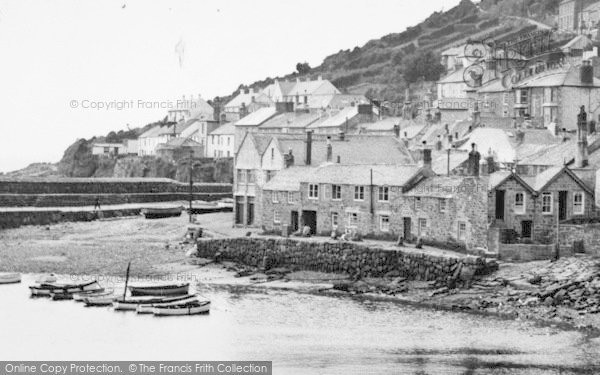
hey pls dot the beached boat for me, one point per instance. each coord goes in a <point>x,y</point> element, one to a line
<point>79,297</point>
<point>10,278</point>
<point>159,290</point>
<point>46,278</point>
<point>131,304</point>
<point>60,296</point>
<point>179,310</point>
<point>99,301</point>
<point>161,212</point>
<point>46,289</point>
<point>147,308</point>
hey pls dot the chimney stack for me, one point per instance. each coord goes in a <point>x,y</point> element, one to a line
<point>474,158</point>
<point>288,159</point>
<point>308,147</point>
<point>329,149</point>
<point>582,145</point>
<point>476,115</point>
<point>491,165</point>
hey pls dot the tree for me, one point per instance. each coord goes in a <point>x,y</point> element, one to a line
<point>422,65</point>
<point>303,68</point>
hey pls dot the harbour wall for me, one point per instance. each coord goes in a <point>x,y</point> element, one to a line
<point>355,259</point>
<point>83,191</point>
<point>15,219</point>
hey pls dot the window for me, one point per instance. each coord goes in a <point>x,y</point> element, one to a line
<point>422,227</point>
<point>520,202</point>
<point>313,191</point>
<point>228,140</point>
<point>212,139</point>
<point>417,203</point>
<point>359,193</point>
<point>251,176</point>
<point>578,199</point>
<point>443,205</point>
<point>276,217</point>
<point>383,194</point>
<point>335,220</point>
<point>106,150</point>
<point>352,219</point>
<point>291,198</point>
<point>270,175</point>
<point>384,223</point>
<point>546,203</point>
<point>275,197</point>
<point>336,192</point>
<point>462,230</point>
<point>272,153</point>
<point>241,174</point>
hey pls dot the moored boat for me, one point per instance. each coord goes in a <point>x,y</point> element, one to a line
<point>10,278</point>
<point>147,308</point>
<point>79,297</point>
<point>161,212</point>
<point>46,289</point>
<point>99,301</point>
<point>160,290</point>
<point>180,310</point>
<point>131,304</point>
<point>60,296</point>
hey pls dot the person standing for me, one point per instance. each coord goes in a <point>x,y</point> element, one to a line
<point>97,203</point>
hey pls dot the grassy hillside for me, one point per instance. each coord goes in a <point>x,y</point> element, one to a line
<point>380,69</point>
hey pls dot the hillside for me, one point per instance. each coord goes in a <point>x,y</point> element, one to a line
<point>384,67</point>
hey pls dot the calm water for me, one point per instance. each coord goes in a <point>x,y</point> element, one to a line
<point>301,334</point>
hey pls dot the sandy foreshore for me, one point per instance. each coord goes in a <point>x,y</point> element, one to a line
<point>566,292</point>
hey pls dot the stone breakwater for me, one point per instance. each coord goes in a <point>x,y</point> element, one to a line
<point>15,219</point>
<point>355,259</point>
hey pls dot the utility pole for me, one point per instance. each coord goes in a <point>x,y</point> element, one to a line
<point>557,249</point>
<point>191,183</point>
<point>371,193</point>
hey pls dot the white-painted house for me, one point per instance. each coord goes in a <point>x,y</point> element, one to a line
<point>220,142</point>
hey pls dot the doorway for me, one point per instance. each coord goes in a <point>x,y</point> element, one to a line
<point>250,218</point>
<point>526,228</point>
<point>562,205</point>
<point>239,210</point>
<point>309,218</point>
<point>406,224</point>
<point>294,222</point>
<point>500,204</point>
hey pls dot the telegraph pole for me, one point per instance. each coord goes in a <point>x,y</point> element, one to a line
<point>191,183</point>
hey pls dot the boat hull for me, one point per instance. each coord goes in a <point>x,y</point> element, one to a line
<point>192,309</point>
<point>99,301</point>
<point>10,278</point>
<point>159,213</point>
<point>131,304</point>
<point>49,289</point>
<point>147,309</point>
<point>79,297</point>
<point>165,290</point>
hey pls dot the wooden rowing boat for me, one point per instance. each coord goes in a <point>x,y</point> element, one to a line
<point>46,289</point>
<point>79,297</point>
<point>147,308</point>
<point>10,278</point>
<point>131,304</point>
<point>161,212</point>
<point>180,310</point>
<point>160,290</point>
<point>99,301</point>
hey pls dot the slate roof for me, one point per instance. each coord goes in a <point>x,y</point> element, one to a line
<point>152,132</point>
<point>344,174</point>
<point>246,99</point>
<point>258,117</point>
<point>386,124</point>
<point>539,182</point>
<point>290,120</point>
<point>336,119</point>
<point>439,186</point>
<point>557,78</point>
<point>439,162</point>
<point>179,142</point>
<point>225,129</point>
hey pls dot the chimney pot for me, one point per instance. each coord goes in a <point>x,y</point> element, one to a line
<point>308,147</point>
<point>427,158</point>
<point>473,162</point>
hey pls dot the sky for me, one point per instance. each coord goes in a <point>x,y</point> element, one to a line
<point>73,69</point>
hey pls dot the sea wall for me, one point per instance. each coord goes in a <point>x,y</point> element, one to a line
<point>83,191</point>
<point>350,258</point>
<point>16,219</point>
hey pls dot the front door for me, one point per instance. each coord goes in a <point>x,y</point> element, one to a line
<point>526,228</point>
<point>250,218</point>
<point>500,204</point>
<point>406,222</point>
<point>562,205</point>
<point>294,222</point>
<point>309,218</point>
<point>239,210</point>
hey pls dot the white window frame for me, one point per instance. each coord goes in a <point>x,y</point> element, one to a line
<point>335,220</point>
<point>385,191</point>
<point>519,209</point>
<point>422,229</point>
<point>551,195</point>
<point>386,227</point>
<point>350,215</point>
<point>443,204</point>
<point>359,190</point>
<point>276,217</point>
<point>290,197</point>
<point>275,196</point>
<point>313,191</point>
<point>581,205</point>
<point>333,195</point>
